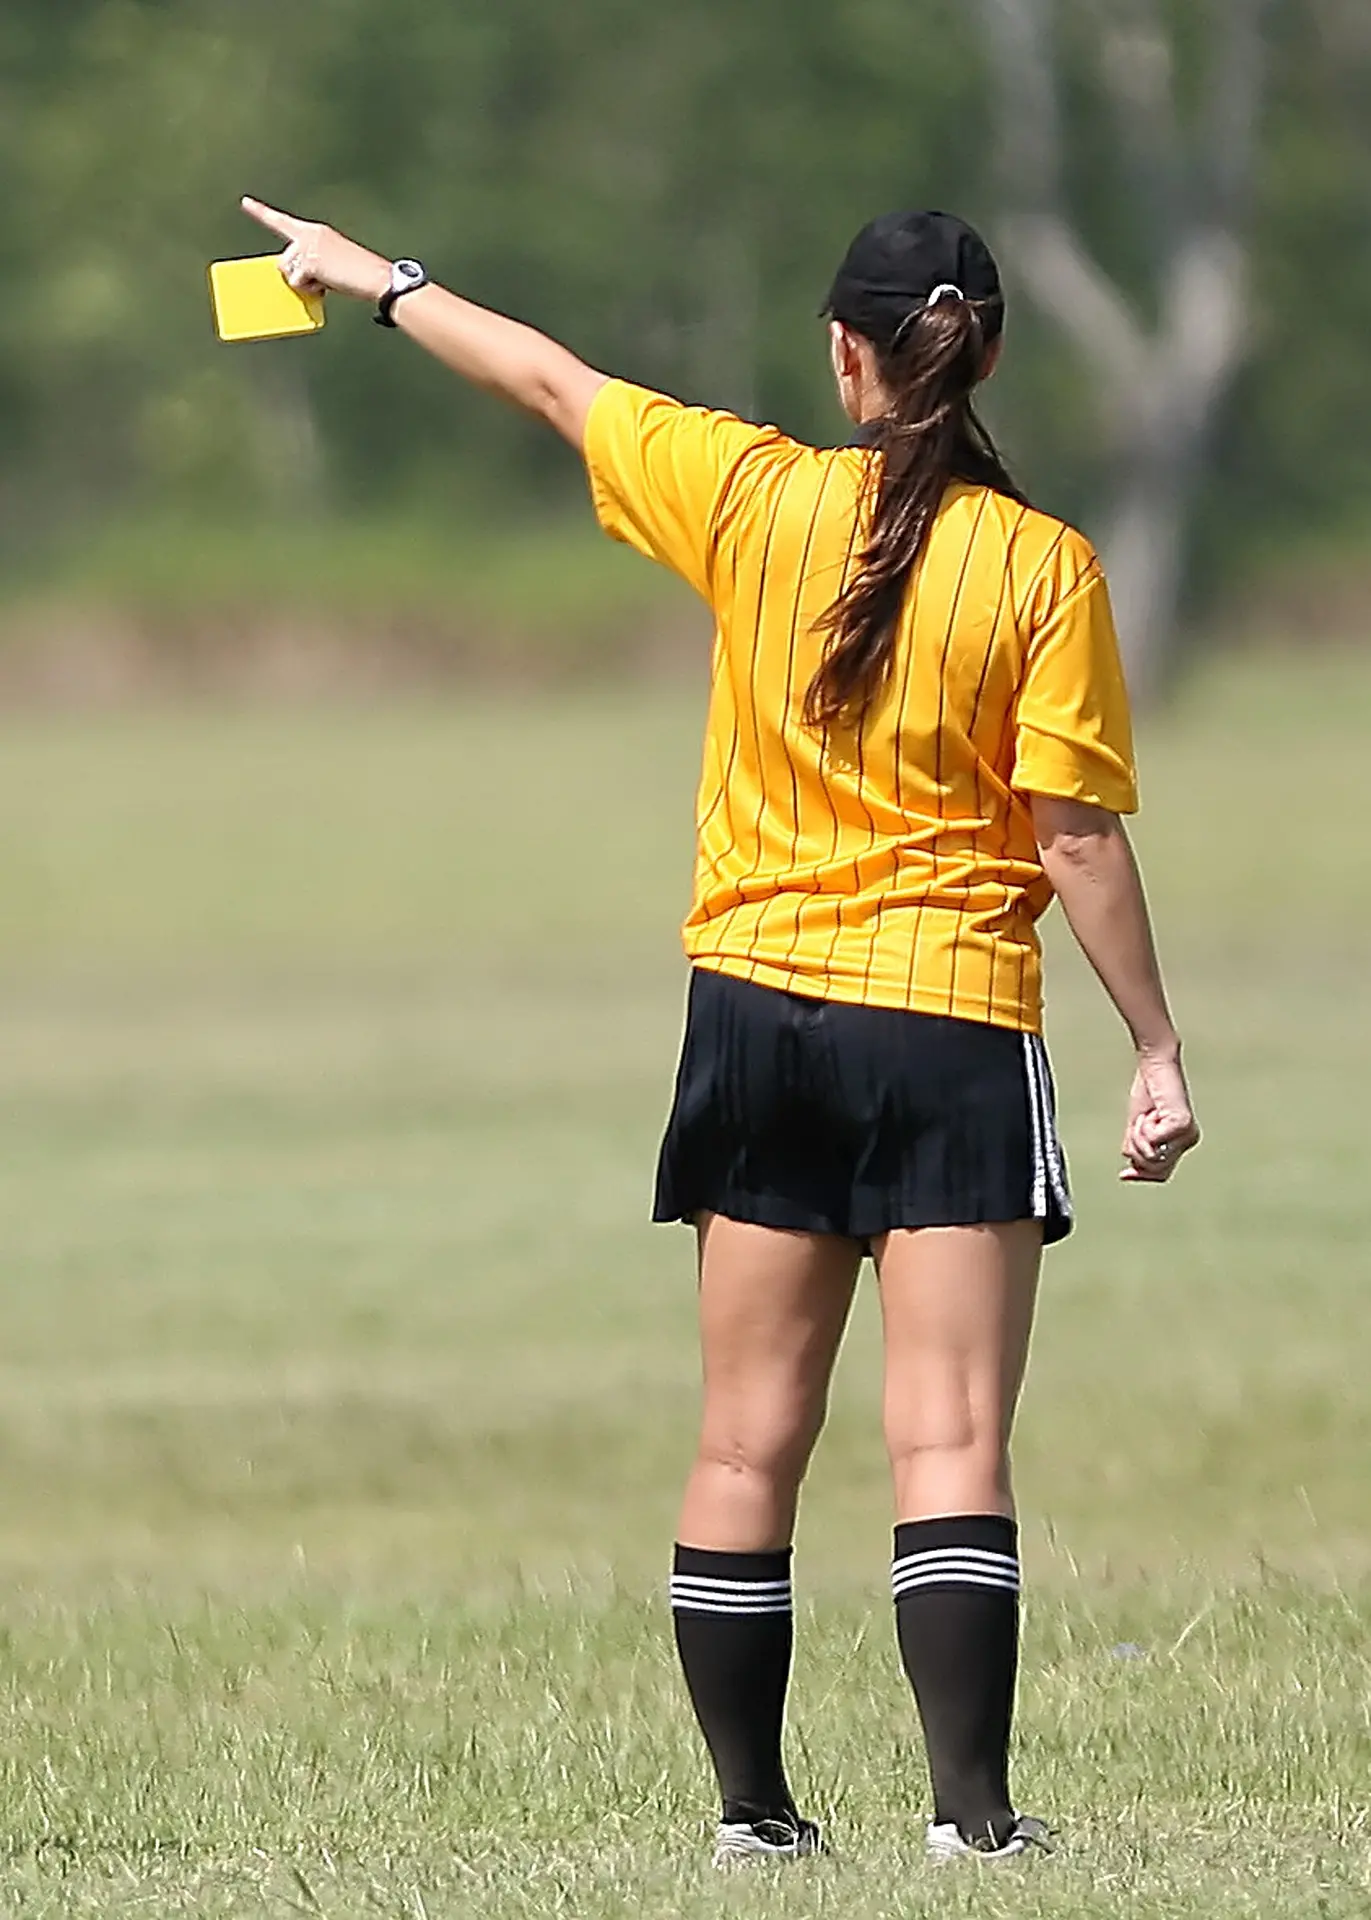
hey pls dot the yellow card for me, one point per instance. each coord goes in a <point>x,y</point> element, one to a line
<point>251,301</point>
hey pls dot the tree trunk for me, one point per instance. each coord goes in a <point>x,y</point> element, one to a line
<point>1144,550</point>
<point>1160,380</point>
<point>1164,448</point>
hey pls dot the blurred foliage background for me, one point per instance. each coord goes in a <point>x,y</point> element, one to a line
<point>668,190</point>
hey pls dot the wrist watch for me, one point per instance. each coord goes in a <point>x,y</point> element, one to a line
<point>406,276</point>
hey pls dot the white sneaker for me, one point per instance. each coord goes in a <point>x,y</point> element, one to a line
<point>946,1843</point>
<point>740,1841</point>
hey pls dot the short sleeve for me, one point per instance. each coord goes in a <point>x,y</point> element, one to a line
<point>659,473</point>
<point>1074,736</point>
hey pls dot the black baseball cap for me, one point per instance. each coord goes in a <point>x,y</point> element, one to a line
<point>899,260</point>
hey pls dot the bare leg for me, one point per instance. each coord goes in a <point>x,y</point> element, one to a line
<point>958,1306</point>
<point>772,1311</point>
<point>773,1307</point>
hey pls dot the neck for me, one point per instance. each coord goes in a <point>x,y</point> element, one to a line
<point>874,402</point>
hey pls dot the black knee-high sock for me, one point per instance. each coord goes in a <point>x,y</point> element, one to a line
<point>735,1633</point>
<point>956,1584</point>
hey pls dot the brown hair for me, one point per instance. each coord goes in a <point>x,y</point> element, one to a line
<point>930,437</point>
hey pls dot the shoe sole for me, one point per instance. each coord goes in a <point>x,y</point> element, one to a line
<point>954,1856</point>
<point>746,1852</point>
<point>1034,1837</point>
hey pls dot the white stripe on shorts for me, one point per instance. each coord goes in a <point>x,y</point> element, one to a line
<point>1049,1166</point>
<point>1038,1199</point>
<point>1056,1163</point>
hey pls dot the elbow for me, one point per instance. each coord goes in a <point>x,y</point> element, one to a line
<point>541,396</point>
<point>1078,852</point>
<point>552,402</point>
<point>1073,837</point>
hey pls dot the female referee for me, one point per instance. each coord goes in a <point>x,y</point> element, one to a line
<point>918,734</point>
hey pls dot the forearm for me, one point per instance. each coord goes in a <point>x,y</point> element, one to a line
<point>1093,871</point>
<point>508,359</point>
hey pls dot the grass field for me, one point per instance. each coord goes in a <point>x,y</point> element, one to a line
<point>346,1391</point>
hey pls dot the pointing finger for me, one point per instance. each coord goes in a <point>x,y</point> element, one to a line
<point>284,224</point>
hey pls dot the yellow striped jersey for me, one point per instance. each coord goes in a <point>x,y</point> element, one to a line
<point>897,866</point>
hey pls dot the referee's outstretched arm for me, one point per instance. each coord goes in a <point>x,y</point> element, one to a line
<point>516,362</point>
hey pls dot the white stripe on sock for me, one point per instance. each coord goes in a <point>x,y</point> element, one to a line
<point>932,1556</point>
<point>954,1566</point>
<point>974,1563</point>
<point>695,1593</point>
<point>691,1603</point>
<point>954,1577</point>
<point>731,1589</point>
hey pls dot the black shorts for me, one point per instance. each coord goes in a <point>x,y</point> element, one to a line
<point>820,1117</point>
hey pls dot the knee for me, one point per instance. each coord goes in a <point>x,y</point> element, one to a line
<point>769,1442</point>
<point>958,1440</point>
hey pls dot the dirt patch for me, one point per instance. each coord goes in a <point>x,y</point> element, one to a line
<point>72,656</point>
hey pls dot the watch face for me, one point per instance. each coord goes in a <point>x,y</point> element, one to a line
<point>408,270</point>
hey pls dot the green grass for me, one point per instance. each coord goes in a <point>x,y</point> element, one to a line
<point>346,1391</point>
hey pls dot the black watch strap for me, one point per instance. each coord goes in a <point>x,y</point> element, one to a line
<point>406,276</point>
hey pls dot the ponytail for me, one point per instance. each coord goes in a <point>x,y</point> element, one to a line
<point>930,437</point>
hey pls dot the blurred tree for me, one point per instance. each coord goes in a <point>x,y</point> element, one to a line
<point>134,131</point>
<point>1290,483</point>
<point>1164,352</point>
<point>669,190</point>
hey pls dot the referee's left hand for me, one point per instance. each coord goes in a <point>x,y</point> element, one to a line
<point>1161,1122</point>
